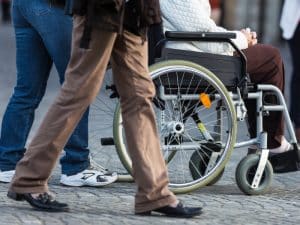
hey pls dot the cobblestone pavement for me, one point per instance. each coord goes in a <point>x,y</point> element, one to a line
<point>223,203</point>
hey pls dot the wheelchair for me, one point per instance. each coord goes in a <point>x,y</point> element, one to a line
<point>198,104</point>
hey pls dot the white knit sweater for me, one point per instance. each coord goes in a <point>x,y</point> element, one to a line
<point>194,15</point>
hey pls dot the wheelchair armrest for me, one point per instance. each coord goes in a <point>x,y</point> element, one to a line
<point>204,36</point>
<point>208,37</point>
<point>199,36</point>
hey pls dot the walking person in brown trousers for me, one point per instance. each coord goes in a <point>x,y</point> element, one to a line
<point>103,31</point>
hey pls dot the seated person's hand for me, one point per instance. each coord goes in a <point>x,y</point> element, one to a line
<point>251,36</point>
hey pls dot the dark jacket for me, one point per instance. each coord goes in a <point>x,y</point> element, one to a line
<point>60,3</point>
<point>112,14</point>
<point>116,15</point>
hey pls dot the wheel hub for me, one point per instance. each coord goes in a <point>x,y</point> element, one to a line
<point>175,127</point>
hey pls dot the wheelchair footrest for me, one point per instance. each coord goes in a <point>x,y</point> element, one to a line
<point>285,162</point>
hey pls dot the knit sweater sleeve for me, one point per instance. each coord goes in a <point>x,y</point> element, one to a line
<point>194,15</point>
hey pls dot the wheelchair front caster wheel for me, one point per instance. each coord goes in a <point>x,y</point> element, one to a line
<point>245,173</point>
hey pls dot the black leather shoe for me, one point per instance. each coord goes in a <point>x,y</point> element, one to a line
<point>44,202</point>
<point>178,211</point>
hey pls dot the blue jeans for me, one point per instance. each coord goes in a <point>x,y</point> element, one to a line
<point>43,37</point>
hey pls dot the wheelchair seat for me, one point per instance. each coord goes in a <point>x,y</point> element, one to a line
<point>231,70</point>
<point>227,68</point>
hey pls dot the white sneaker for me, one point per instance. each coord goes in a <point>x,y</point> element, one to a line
<point>89,177</point>
<point>6,176</point>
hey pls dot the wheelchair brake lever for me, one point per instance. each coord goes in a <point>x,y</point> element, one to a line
<point>241,110</point>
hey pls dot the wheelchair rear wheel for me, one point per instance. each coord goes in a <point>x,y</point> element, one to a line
<point>101,143</point>
<point>196,164</point>
<point>195,116</point>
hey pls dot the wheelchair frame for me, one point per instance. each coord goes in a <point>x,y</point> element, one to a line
<point>238,90</point>
<point>237,98</point>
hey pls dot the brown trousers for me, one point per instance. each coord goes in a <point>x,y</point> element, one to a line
<point>265,66</point>
<point>84,77</point>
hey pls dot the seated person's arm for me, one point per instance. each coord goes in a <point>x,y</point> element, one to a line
<point>194,15</point>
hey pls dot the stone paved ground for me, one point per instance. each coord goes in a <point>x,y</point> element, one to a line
<point>223,203</point>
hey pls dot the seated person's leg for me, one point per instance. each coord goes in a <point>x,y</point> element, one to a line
<point>265,66</point>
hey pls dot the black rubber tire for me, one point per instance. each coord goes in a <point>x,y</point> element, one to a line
<point>245,172</point>
<point>195,161</point>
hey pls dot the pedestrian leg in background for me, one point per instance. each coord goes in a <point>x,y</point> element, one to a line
<point>39,28</point>
<point>294,44</point>
<point>5,5</point>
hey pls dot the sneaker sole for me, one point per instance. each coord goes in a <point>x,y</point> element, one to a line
<point>5,179</point>
<point>6,176</point>
<point>87,184</point>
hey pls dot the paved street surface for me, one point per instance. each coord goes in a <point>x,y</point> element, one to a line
<point>223,203</point>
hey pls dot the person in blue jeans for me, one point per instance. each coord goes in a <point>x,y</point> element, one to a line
<point>43,38</point>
